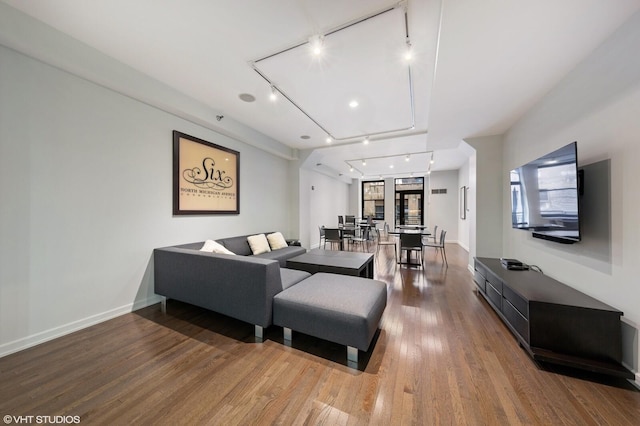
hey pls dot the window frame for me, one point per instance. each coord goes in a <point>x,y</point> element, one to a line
<point>379,183</point>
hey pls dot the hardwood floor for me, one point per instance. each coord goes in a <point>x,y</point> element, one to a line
<point>442,356</point>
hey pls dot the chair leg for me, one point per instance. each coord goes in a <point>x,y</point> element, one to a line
<point>444,256</point>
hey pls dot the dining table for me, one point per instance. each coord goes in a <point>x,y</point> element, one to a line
<point>397,231</point>
<point>411,227</point>
<point>351,229</point>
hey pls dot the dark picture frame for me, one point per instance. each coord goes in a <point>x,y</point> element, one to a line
<point>206,177</point>
<point>463,202</point>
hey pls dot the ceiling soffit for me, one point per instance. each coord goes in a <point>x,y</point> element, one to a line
<point>363,61</point>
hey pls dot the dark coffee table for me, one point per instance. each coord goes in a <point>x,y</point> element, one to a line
<point>335,262</point>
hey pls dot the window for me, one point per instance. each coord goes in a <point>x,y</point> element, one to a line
<point>373,199</point>
<point>409,184</point>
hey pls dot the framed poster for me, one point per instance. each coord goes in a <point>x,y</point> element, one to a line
<point>206,177</point>
<point>463,202</point>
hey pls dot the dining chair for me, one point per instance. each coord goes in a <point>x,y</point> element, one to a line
<point>385,239</point>
<point>434,235</point>
<point>340,220</point>
<point>348,233</point>
<point>411,242</point>
<point>321,230</point>
<point>363,239</point>
<point>439,246</point>
<point>350,220</point>
<point>332,236</point>
<point>426,239</point>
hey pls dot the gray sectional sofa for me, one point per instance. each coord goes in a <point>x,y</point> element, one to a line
<point>241,286</point>
<point>244,286</point>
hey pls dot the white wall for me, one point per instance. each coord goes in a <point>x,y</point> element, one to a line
<point>355,198</point>
<point>598,105</point>
<point>322,199</point>
<point>487,195</point>
<point>443,208</point>
<point>389,203</point>
<point>85,184</point>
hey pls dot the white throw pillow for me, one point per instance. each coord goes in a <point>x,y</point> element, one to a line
<point>215,247</point>
<point>258,244</point>
<point>277,241</point>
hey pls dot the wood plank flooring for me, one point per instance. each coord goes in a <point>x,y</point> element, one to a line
<point>442,356</point>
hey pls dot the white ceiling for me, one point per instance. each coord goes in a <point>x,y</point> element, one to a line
<point>477,67</point>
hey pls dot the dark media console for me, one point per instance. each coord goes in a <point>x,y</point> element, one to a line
<point>553,322</point>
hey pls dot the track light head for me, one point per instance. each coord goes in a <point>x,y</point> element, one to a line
<point>316,43</point>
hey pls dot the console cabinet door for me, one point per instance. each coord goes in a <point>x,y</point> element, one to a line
<point>516,301</point>
<point>494,290</point>
<point>516,320</point>
<point>480,281</point>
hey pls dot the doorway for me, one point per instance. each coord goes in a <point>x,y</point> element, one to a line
<point>409,207</point>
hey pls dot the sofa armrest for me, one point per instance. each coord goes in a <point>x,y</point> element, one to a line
<point>238,286</point>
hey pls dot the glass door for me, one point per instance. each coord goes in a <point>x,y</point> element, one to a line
<point>409,205</point>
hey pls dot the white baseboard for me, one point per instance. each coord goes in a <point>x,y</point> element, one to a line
<point>53,333</point>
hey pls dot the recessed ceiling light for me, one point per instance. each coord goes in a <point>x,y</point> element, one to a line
<point>247,97</point>
<point>391,166</point>
<point>406,158</point>
<point>353,104</point>
<point>329,140</point>
<point>366,140</point>
<point>350,169</point>
<point>364,162</point>
<point>273,96</point>
<point>305,137</point>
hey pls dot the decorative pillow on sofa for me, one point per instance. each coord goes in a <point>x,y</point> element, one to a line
<point>276,241</point>
<point>258,244</point>
<point>215,247</point>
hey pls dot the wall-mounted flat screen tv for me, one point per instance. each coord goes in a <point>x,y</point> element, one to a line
<point>544,196</point>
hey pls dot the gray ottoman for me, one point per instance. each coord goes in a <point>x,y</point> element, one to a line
<point>339,308</point>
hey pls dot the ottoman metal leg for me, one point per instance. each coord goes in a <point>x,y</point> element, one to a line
<point>352,354</point>
<point>259,331</point>
<point>287,336</point>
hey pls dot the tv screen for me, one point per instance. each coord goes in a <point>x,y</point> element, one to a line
<point>544,196</point>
